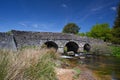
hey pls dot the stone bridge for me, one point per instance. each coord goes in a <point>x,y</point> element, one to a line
<point>18,39</point>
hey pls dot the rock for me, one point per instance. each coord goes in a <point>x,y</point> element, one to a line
<point>70,53</point>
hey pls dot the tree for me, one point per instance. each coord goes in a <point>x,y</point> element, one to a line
<point>101,31</point>
<point>116,28</point>
<point>71,28</point>
<point>82,34</point>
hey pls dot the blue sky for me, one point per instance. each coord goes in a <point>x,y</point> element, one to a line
<point>53,15</point>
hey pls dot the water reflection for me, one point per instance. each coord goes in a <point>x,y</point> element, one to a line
<point>107,68</point>
<point>104,66</point>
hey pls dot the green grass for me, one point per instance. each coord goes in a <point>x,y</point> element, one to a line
<point>3,64</point>
<point>115,51</point>
<point>101,49</point>
<point>77,73</point>
<point>27,64</point>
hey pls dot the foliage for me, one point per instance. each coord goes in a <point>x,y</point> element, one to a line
<point>27,64</point>
<point>101,31</point>
<point>71,28</point>
<point>116,35</point>
<point>88,34</point>
<point>65,49</point>
<point>77,73</point>
<point>115,51</point>
<point>117,21</point>
<point>82,34</point>
<point>101,49</point>
<point>9,32</point>
<point>116,28</point>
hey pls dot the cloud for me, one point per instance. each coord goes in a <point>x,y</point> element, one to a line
<point>100,7</point>
<point>96,9</point>
<point>113,8</point>
<point>23,24</point>
<point>39,26</point>
<point>33,25</point>
<point>64,5</point>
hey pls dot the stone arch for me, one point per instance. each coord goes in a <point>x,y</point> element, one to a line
<point>87,47</point>
<point>72,46</point>
<point>51,44</point>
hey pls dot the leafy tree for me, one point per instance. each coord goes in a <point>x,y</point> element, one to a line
<point>82,34</point>
<point>88,34</point>
<point>116,28</point>
<point>71,28</point>
<point>101,31</point>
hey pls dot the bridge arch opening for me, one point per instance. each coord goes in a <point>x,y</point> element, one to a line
<point>51,44</point>
<point>87,47</point>
<point>72,46</point>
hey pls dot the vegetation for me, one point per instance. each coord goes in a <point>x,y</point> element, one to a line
<point>101,31</point>
<point>115,51</point>
<point>101,49</point>
<point>9,32</point>
<point>3,64</point>
<point>116,28</point>
<point>27,64</point>
<point>82,34</point>
<point>77,73</point>
<point>71,28</point>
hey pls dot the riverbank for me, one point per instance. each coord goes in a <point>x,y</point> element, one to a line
<point>70,74</point>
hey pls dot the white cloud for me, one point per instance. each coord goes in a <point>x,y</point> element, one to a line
<point>100,7</point>
<point>96,9</point>
<point>23,24</point>
<point>39,26</point>
<point>113,8</point>
<point>33,25</point>
<point>64,5</point>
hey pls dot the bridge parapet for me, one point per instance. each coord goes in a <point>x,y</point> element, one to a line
<point>19,39</point>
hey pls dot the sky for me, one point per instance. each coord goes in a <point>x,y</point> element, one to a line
<point>53,15</point>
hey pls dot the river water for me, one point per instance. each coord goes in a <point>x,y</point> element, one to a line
<point>108,68</point>
<point>104,66</point>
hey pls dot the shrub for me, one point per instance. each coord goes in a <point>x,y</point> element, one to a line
<point>101,49</point>
<point>115,51</point>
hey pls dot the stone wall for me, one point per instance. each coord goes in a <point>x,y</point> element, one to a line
<point>19,39</point>
<point>7,42</point>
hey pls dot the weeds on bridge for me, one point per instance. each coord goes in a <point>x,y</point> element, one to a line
<point>28,64</point>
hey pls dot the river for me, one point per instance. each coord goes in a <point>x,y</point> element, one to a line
<point>107,68</point>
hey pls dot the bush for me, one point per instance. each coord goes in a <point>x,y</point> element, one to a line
<point>115,51</point>
<point>101,49</point>
<point>28,64</point>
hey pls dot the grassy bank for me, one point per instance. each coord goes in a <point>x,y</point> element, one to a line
<point>103,49</point>
<point>27,64</point>
<point>115,51</point>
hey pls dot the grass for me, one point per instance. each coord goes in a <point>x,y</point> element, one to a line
<point>3,64</point>
<point>101,49</point>
<point>77,73</point>
<point>27,64</point>
<point>115,51</point>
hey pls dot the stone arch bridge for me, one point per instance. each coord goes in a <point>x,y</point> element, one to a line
<point>17,39</point>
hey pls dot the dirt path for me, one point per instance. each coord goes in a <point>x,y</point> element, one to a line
<point>65,74</point>
<point>68,74</point>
